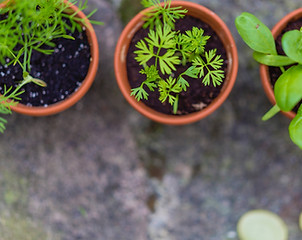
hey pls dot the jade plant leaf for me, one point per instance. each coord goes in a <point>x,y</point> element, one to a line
<point>288,88</point>
<point>292,45</point>
<point>261,224</point>
<point>295,131</point>
<point>272,112</point>
<point>300,221</point>
<point>255,34</point>
<point>273,60</point>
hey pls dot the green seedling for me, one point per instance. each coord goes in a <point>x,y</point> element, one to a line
<point>288,88</point>
<point>11,96</point>
<point>27,26</point>
<point>168,49</point>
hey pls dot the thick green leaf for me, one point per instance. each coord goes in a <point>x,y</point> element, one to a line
<point>295,129</point>
<point>292,45</point>
<point>272,60</point>
<point>272,112</point>
<point>255,34</point>
<point>261,224</point>
<point>288,88</point>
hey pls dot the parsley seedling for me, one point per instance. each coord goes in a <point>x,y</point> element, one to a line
<point>168,49</point>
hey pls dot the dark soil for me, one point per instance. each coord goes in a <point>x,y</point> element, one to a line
<point>63,71</point>
<point>275,72</point>
<point>197,95</point>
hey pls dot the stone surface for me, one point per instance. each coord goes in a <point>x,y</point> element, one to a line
<point>102,171</point>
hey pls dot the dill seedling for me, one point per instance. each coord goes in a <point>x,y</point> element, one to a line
<point>168,49</point>
<point>31,25</point>
<point>11,96</point>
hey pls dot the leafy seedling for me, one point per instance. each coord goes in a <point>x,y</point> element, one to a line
<point>27,26</point>
<point>288,87</point>
<point>164,49</point>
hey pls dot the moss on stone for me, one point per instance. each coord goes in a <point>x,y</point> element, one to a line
<point>15,227</point>
<point>13,191</point>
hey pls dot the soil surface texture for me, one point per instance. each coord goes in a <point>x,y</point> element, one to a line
<point>63,71</point>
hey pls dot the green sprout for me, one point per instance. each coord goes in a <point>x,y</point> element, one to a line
<point>169,49</point>
<point>28,26</point>
<point>288,87</point>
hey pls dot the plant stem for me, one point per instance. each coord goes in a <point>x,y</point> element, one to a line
<point>157,56</point>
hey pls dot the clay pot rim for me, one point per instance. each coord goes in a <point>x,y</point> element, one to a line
<point>120,61</point>
<point>264,73</point>
<point>81,91</point>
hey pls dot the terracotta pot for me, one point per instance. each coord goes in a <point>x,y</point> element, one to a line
<point>264,72</point>
<point>80,92</point>
<point>223,32</point>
